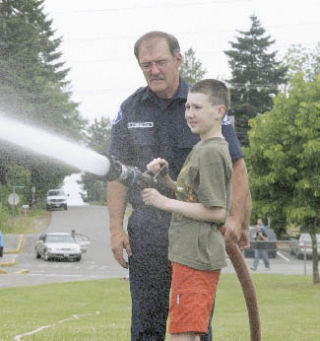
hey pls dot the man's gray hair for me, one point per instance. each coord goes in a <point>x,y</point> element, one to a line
<point>172,41</point>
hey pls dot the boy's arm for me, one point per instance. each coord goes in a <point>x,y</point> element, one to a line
<point>192,210</point>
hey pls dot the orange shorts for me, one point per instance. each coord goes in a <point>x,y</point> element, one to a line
<point>192,298</point>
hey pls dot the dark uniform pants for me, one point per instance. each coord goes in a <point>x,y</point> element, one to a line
<point>150,274</point>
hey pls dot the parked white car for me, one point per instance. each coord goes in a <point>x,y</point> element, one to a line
<point>303,245</point>
<point>57,245</point>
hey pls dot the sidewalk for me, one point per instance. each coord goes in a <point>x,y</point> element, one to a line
<point>12,246</point>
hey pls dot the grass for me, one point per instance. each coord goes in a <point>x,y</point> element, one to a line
<point>100,310</point>
<point>34,221</point>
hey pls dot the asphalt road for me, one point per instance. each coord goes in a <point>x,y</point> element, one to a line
<point>98,262</point>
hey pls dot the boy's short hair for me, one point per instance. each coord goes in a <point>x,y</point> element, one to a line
<point>216,90</point>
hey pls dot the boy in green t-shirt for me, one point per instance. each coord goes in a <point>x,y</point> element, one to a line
<point>203,192</point>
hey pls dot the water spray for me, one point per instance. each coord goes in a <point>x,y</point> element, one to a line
<point>75,155</point>
<point>44,143</point>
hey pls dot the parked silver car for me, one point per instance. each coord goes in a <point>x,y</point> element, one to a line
<point>303,245</point>
<point>57,245</point>
<point>83,241</point>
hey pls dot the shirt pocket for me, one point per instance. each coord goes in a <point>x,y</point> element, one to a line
<point>142,136</point>
<point>144,145</point>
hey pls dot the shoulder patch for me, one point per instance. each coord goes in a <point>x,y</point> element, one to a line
<point>226,120</point>
<point>118,117</point>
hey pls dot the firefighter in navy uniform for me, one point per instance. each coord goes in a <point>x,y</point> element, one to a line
<point>151,123</point>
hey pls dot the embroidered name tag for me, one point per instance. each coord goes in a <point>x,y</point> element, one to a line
<point>140,125</point>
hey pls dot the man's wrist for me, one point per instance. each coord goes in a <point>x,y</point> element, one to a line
<point>235,218</point>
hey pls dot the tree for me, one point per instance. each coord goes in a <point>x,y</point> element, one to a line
<point>33,84</point>
<point>256,76</point>
<point>31,70</point>
<point>98,139</point>
<point>99,135</point>
<point>299,59</point>
<point>284,160</point>
<point>191,69</point>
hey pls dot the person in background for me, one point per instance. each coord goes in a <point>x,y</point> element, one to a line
<point>1,244</point>
<point>203,192</point>
<point>260,222</point>
<point>151,124</point>
<point>73,234</point>
<point>261,250</point>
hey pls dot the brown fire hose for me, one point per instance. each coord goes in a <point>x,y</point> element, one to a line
<point>249,290</point>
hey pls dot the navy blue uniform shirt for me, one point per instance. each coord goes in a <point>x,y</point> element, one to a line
<point>148,127</point>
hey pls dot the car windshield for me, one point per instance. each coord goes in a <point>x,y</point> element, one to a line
<point>59,239</point>
<point>54,193</point>
<point>81,238</point>
<point>270,233</point>
<point>307,238</point>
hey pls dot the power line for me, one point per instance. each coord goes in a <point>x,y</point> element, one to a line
<point>167,5</point>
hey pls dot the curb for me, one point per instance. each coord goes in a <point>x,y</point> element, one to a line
<point>18,249</point>
<point>9,263</point>
<point>12,252</point>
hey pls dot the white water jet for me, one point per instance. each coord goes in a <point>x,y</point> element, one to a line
<point>42,142</point>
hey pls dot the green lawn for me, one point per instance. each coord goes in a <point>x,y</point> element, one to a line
<point>36,220</point>
<point>100,310</point>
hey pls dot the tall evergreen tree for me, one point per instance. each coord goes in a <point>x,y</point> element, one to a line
<point>256,76</point>
<point>34,85</point>
<point>31,70</point>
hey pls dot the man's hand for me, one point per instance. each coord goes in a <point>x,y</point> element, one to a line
<point>231,231</point>
<point>244,242</point>
<point>119,242</point>
<point>234,234</point>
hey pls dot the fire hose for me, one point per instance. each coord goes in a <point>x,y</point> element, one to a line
<point>249,290</point>
<point>134,178</point>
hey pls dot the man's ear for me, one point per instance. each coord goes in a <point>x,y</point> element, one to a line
<point>179,59</point>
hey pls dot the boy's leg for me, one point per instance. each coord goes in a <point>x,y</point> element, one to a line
<point>185,337</point>
<point>208,337</point>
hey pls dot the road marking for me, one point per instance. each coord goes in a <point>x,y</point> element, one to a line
<point>22,271</point>
<point>74,317</point>
<point>283,256</point>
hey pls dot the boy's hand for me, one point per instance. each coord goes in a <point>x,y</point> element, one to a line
<point>155,165</point>
<point>151,196</point>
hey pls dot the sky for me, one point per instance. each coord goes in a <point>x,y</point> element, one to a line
<point>99,35</point>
